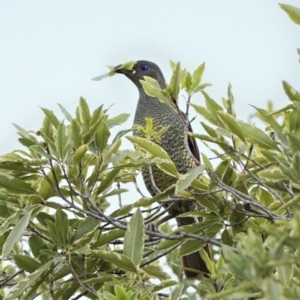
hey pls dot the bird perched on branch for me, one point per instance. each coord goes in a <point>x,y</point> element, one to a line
<point>180,148</point>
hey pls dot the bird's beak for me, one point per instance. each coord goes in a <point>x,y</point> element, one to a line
<point>118,69</point>
<point>126,68</point>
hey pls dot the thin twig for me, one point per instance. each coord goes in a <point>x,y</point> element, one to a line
<point>160,255</point>
<point>87,287</point>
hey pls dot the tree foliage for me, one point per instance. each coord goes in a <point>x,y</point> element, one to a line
<point>58,241</point>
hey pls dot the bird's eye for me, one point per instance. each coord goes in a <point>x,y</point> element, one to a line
<point>144,67</point>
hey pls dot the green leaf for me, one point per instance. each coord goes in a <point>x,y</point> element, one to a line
<point>16,234</point>
<point>212,132</point>
<point>175,81</point>
<point>17,166</point>
<point>87,225</point>
<point>256,136</point>
<point>97,114</point>
<point>187,83</point>
<point>62,142</point>
<point>190,246</point>
<point>207,114</point>
<point>22,132</point>
<point>76,133</point>
<point>211,104</point>
<point>156,151</point>
<point>36,244</point>
<point>15,185</point>
<point>153,91</point>
<point>186,179</point>
<point>156,271</point>
<point>294,142</point>
<point>292,11</point>
<point>164,285</point>
<point>44,188</point>
<point>41,150</point>
<point>206,161</point>
<point>107,296</point>
<point>118,120</point>
<point>294,121</point>
<point>285,273</point>
<point>113,149</point>
<point>120,292</point>
<point>108,237</point>
<point>84,113</point>
<point>52,231</point>
<point>197,76</point>
<point>293,94</point>
<point>267,118</point>
<point>273,174</point>
<point>102,135</point>
<point>64,111</point>
<point>272,290</point>
<point>62,226</point>
<point>79,154</point>
<point>89,135</point>
<point>119,260</point>
<point>177,292</point>
<point>50,115</point>
<point>27,263</point>
<point>133,239</point>
<point>232,124</point>
<point>108,180</point>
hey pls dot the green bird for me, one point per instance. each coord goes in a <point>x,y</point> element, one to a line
<point>174,141</point>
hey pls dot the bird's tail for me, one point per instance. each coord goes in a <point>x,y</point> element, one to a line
<point>193,260</point>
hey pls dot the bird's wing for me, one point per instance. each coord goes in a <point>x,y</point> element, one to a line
<point>191,140</point>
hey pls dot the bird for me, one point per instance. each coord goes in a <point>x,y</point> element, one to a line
<point>173,142</point>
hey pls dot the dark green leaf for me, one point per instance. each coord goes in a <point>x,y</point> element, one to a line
<point>190,246</point>
<point>108,237</point>
<point>62,226</point>
<point>119,260</point>
<point>89,224</point>
<point>27,263</point>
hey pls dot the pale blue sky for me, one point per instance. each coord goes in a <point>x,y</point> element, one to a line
<point>50,50</point>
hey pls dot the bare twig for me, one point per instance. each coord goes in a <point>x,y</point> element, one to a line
<point>161,255</point>
<point>4,281</point>
<point>87,287</point>
<point>119,195</point>
<point>153,184</point>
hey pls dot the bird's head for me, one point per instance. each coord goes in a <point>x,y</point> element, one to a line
<point>140,69</point>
